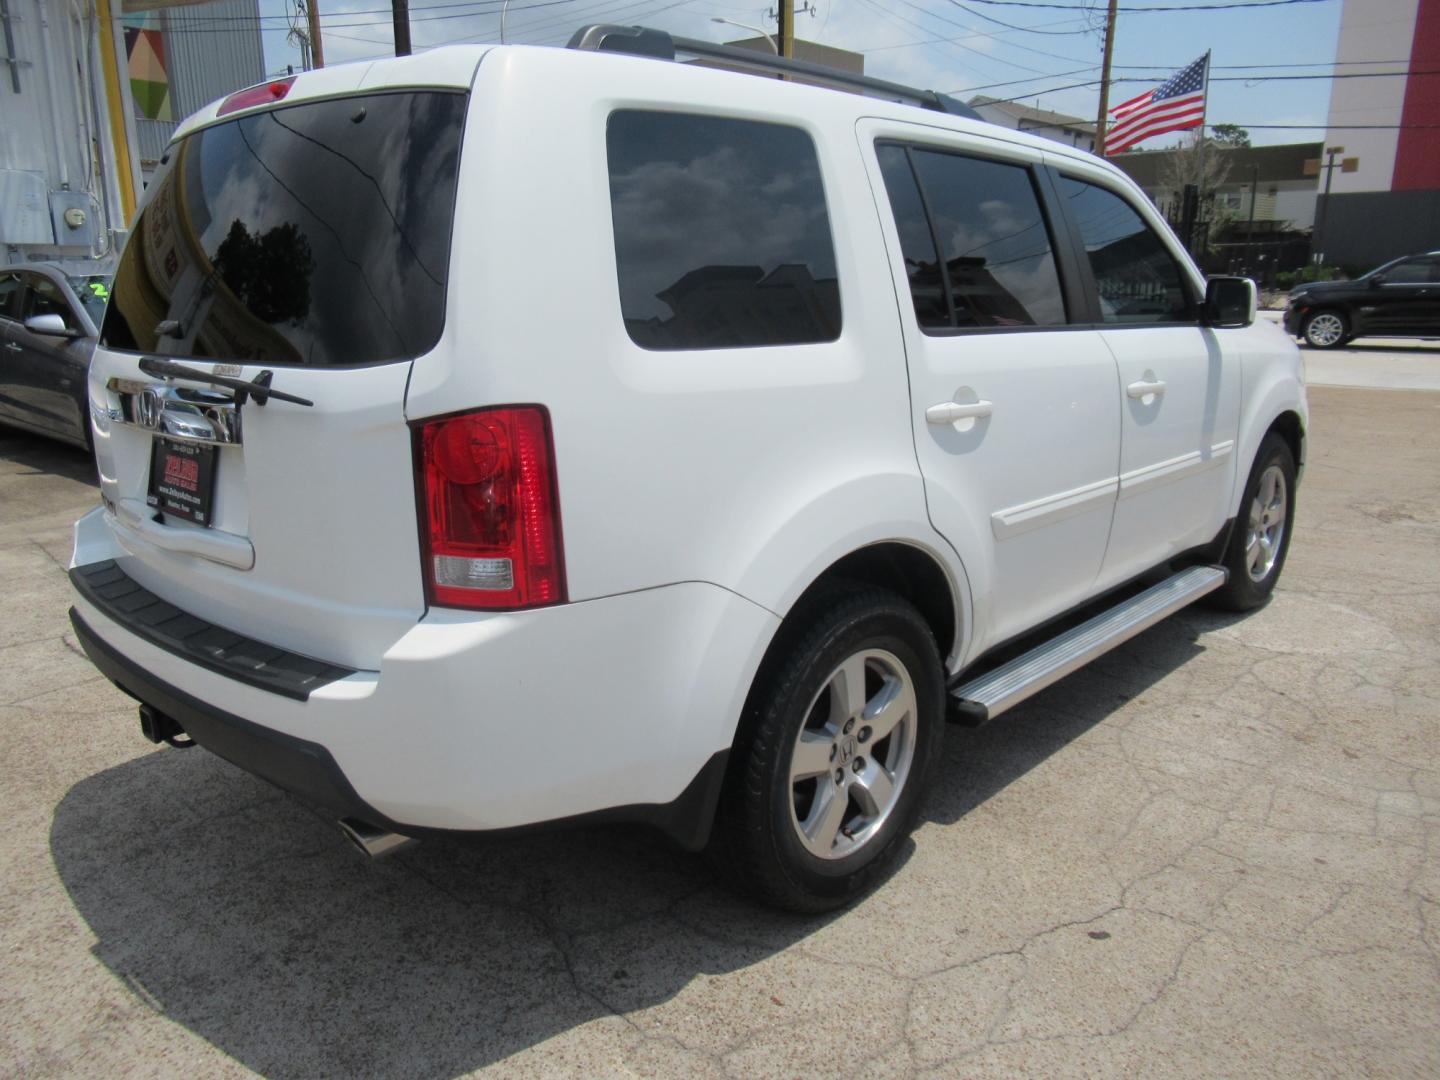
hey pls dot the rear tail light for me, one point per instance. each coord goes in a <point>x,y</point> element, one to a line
<point>490,512</point>
<point>264,94</point>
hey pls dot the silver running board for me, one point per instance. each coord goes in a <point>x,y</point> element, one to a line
<point>991,694</point>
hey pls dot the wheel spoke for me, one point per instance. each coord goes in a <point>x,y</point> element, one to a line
<point>848,689</point>
<point>826,816</point>
<point>812,756</point>
<point>892,704</point>
<point>873,789</point>
<point>1267,489</point>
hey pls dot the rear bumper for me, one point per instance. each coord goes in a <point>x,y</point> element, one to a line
<point>613,710</point>
<point>301,767</point>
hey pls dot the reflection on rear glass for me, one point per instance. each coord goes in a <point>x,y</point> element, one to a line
<point>317,234</point>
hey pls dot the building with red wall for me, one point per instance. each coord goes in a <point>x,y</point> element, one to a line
<point>1389,120</point>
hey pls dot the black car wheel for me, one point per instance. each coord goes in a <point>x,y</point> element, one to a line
<point>1325,329</point>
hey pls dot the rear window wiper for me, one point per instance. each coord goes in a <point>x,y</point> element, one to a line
<point>259,389</point>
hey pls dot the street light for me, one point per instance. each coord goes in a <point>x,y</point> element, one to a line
<point>746,26</point>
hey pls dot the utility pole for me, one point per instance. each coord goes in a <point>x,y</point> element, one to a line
<point>1250,227</point>
<point>1313,167</point>
<point>786,19</point>
<point>317,51</point>
<point>1105,79</point>
<point>400,11</point>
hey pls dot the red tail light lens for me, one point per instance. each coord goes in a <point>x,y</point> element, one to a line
<point>251,96</point>
<point>490,513</point>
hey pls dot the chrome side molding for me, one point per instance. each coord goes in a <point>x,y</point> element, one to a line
<point>986,697</point>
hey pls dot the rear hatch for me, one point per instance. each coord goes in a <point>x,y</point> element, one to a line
<point>309,240</point>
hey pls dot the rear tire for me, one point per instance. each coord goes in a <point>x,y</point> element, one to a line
<point>840,732</point>
<point>1260,539</point>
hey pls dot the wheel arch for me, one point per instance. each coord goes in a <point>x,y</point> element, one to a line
<point>1273,401</point>
<point>1290,427</point>
<point>909,571</point>
<point>918,574</point>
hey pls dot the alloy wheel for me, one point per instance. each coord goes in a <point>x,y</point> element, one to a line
<point>1324,330</point>
<point>1267,524</point>
<point>853,755</point>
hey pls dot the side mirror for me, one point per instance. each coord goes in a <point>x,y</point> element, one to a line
<point>1376,280</point>
<point>1230,302</point>
<point>50,326</point>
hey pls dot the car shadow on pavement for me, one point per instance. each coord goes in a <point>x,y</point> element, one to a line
<point>35,454</point>
<point>231,909</point>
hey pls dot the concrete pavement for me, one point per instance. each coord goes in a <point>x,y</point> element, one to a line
<point>1214,852</point>
<point>1373,363</point>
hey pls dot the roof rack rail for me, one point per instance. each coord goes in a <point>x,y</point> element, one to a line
<point>643,41</point>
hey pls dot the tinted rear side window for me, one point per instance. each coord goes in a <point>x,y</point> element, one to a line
<point>722,237</point>
<point>1137,279</point>
<point>317,234</point>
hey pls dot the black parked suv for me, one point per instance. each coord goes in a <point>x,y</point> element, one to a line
<point>1399,299</point>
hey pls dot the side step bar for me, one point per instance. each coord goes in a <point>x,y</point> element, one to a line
<point>991,694</point>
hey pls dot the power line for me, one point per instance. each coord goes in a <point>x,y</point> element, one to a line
<point>1225,4</point>
<point>1013,26</point>
<point>339,14</point>
<point>893,16</point>
<point>372,24</point>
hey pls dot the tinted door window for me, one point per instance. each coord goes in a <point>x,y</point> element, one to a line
<point>1414,272</point>
<point>917,242</point>
<point>1137,279</point>
<point>47,298</point>
<point>997,257</point>
<point>317,234</point>
<point>12,291</point>
<point>722,237</point>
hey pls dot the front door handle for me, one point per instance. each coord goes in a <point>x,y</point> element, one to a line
<point>1145,388</point>
<point>13,347</point>
<point>947,412</point>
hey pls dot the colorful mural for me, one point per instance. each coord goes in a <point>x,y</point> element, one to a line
<point>149,79</point>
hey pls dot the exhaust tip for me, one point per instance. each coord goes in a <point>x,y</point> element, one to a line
<point>374,842</point>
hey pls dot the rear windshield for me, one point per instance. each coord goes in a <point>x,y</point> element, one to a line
<point>317,234</point>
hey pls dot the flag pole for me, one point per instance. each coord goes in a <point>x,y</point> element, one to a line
<point>1204,115</point>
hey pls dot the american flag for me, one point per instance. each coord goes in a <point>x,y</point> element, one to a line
<point>1175,105</point>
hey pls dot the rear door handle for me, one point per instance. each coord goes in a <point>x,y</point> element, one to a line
<point>947,412</point>
<point>1145,389</point>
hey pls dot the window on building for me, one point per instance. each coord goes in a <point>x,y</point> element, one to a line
<point>722,236</point>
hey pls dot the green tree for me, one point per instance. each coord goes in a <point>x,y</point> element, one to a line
<point>1230,136</point>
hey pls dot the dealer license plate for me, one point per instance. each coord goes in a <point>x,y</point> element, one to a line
<point>182,480</point>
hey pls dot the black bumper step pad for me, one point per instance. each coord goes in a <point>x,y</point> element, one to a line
<point>243,659</point>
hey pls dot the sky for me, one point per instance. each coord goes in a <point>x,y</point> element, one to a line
<point>961,47</point>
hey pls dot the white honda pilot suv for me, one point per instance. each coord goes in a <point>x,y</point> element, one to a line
<point>515,437</point>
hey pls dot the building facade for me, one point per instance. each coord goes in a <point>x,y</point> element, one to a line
<point>90,93</point>
<point>1070,130</point>
<point>1390,124</point>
